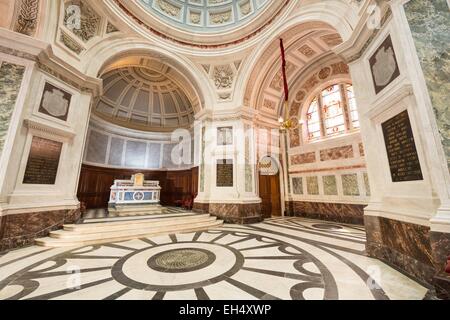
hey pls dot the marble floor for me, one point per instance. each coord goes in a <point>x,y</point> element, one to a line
<point>291,258</point>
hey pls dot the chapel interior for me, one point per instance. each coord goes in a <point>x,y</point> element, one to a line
<point>256,149</point>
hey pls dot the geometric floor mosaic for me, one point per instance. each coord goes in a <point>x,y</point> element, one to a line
<point>283,258</point>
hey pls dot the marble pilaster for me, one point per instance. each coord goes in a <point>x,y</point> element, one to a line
<point>11,76</point>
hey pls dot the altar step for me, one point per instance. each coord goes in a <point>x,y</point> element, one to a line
<point>121,230</point>
<point>136,210</point>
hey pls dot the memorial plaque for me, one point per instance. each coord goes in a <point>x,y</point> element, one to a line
<point>401,149</point>
<point>225,173</point>
<point>43,161</point>
<point>55,102</point>
<point>384,65</point>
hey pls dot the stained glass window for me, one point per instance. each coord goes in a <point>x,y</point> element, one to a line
<point>333,110</point>
<point>313,119</point>
<point>330,108</point>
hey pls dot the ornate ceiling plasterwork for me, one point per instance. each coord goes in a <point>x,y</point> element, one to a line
<point>144,98</point>
<point>196,23</point>
<point>305,44</point>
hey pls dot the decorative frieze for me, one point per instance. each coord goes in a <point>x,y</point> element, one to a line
<point>27,19</point>
<point>71,43</point>
<point>223,77</point>
<point>89,20</point>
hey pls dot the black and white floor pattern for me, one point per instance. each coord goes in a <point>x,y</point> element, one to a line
<point>289,258</point>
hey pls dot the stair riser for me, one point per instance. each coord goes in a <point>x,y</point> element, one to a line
<point>46,243</point>
<point>135,225</point>
<point>108,234</point>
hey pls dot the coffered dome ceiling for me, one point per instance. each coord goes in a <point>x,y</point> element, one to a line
<point>143,98</point>
<point>198,22</point>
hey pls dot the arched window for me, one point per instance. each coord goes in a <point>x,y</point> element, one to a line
<point>332,112</point>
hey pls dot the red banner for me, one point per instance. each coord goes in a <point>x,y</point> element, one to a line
<point>285,83</point>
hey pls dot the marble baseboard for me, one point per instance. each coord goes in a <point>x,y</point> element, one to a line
<point>402,245</point>
<point>237,213</point>
<point>337,212</point>
<point>20,230</point>
<point>442,286</point>
<point>440,245</point>
<point>200,207</point>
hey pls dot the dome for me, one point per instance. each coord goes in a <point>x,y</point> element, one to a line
<point>205,23</point>
<point>142,98</point>
<point>205,15</point>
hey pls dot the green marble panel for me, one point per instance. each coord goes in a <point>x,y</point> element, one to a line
<point>367,184</point>
<point>330,185</point>
<point>350,184</point>
<point>297,185</point>
<point>11,76</point>
<point>429,21</point>
<point>312,185</point>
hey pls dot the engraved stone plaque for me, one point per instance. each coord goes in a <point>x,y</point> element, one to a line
<point>384,65</point>
<point>55,102</point>
<point>225,173</point>
<point>401,149</point>
<point>43,161</point>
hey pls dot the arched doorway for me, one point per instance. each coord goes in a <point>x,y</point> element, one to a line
<point>269,187</point>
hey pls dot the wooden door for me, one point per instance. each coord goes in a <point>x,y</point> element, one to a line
<point>269,191</point>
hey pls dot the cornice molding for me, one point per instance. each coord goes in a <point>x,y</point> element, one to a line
<point>354,48</point>
<point>40,52</point>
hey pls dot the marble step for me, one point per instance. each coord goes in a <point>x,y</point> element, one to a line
<point>107,237</point>
<point>136,207</point>
<point>134,224</point>
<point>144,217</point>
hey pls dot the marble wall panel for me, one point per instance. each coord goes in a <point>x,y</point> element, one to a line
<point>116,152</point>
<point>167,156</point>
<point>362,152</point>
<point>338,212</point>
<point>20,230</point>
<point>297,185</point>
<point>429,21</point>
<point>98,144</point>
<point>403,245</point>
<point>154,156</point>
<point>11,76</point>
<point>304,158</point>
<point>294,138</point>
<point>350,184</point>
<point>330,185</point>
<point>337,153</point>
<point>367,184</point>
<point>312,185</point>
<point>135,154</point>
<point>237,213</point>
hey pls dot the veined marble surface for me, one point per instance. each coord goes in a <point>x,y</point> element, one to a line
<point>291,258</point>
<point>11,76</point>
<point>429,21</point>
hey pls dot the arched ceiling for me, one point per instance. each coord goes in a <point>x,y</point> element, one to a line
<point>144,97</point>
<point>203,23</point>
<point>308,46</point>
